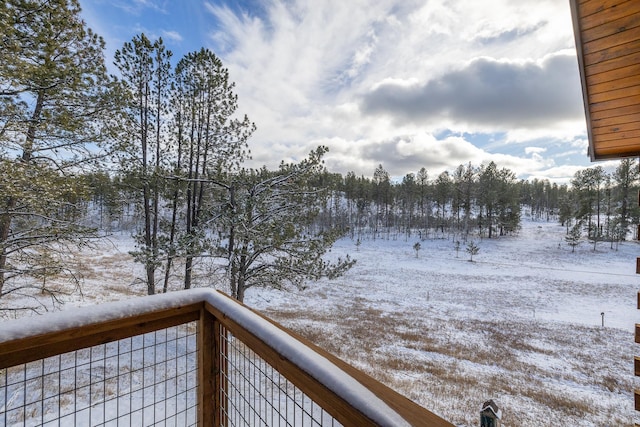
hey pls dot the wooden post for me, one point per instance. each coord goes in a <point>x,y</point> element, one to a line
<point>207,409</point>
<point>636,393</point>
<point>221,385</point>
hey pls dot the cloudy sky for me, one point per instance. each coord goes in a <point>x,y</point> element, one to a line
<point>402,83</point>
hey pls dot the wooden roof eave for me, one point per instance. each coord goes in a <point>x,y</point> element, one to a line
<point>577,31</point>
<point>607,36</point>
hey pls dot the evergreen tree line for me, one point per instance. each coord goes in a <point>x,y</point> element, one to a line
<point>602,206</point>
<point>480,200</point>
<point>472,201</point>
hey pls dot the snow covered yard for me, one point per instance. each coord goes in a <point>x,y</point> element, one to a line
<point>521,324</point>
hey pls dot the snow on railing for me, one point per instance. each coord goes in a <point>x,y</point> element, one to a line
<point>185,358</point>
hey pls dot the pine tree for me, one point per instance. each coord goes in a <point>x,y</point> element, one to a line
<point>467,187</point>
<point>214,142</point>
<point>442,195</point>
<point>472,249</point>
<point>54,95</point>
<point>422,181</point>
<point>566,210</point>
<point>382,189</point>
<point>508,204</point>
<point>266,230</point>
<point>488,194</point>
<point>573,237</point>
<point>146,75</point>
<point>407,195</point>
<point>587,183</point>
<point>625,177</point>
<point>417,247</point>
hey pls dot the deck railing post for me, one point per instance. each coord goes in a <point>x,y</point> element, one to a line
<point>220,374</point>
<point>207,408</point>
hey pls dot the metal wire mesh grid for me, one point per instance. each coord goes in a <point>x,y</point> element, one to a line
<point>144,380</point>
<point>255,394</point>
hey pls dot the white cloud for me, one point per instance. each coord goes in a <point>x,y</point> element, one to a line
<point>488,94</point>
<point>172,35</point>
<point>408,153</point>
<point>302,68</point>
<point>535,150</point>
<point>136,7</point>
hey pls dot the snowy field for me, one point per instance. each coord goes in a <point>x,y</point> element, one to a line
<point>521,324</point>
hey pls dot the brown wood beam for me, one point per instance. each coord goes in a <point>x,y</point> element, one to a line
<point>41,346</point>
<point>207,408</point>
<point>221,374</point>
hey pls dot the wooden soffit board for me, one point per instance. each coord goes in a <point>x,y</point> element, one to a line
<point>607,36</point>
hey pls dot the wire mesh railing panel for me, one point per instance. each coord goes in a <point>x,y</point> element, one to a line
<point>254,393</point>
<point>145,380</point>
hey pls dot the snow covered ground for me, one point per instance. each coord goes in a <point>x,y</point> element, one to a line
<point>521,324</point>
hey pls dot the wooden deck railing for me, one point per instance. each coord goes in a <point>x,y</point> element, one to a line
<point>191,357</point>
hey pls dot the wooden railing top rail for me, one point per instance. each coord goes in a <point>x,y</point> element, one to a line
<point>28,339</point>
<point>321,375</point>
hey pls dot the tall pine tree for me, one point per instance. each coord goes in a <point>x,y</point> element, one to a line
<point>53,97</point>
<point>146,76</point>
<point>266,229</point>
<point>213,139</point>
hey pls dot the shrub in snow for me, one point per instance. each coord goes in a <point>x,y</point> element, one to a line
<point>472,249</point>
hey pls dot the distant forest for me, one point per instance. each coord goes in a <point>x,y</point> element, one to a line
<point>471,201</point>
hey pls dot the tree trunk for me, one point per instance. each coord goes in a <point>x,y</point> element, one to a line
<point>146,190</point>
<point>233,285</point>
<point>174,212</point>
<point>5,225</point>
<point>188,264</point>
<point>172,237</point>
<point>27,152</point>
<point>151,288</point>
<point>167,272</point>
<point>188,259</point>
<point>240,295</point>
<point>241,278</point>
